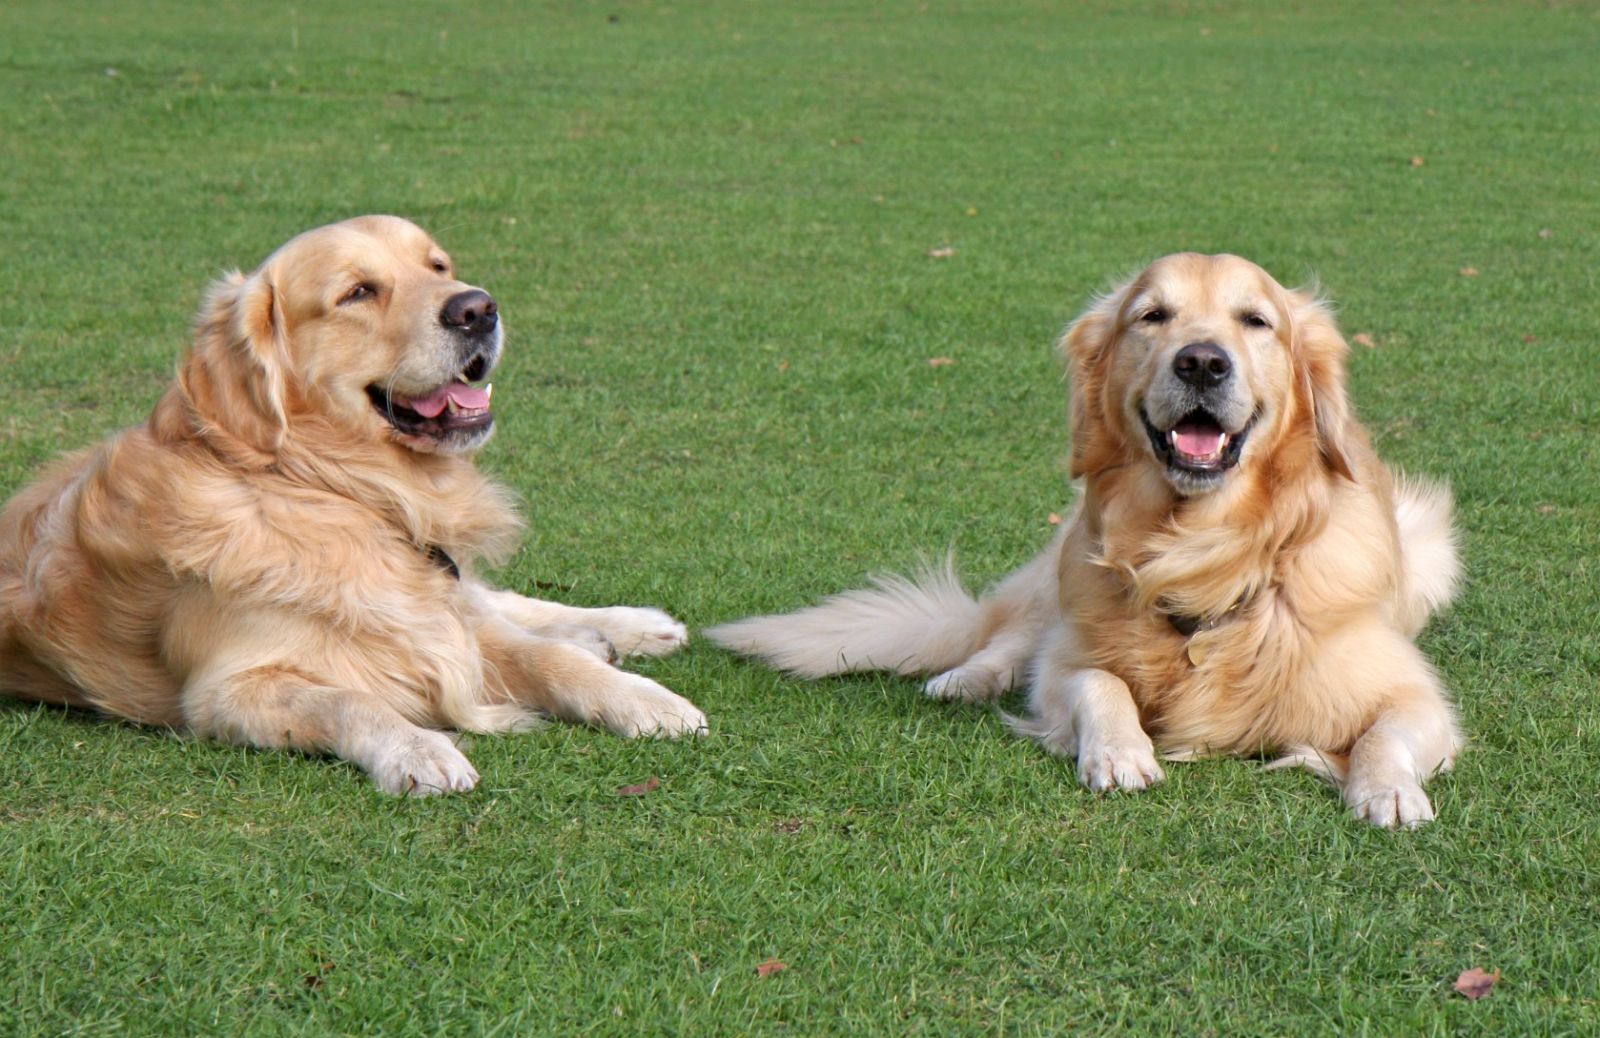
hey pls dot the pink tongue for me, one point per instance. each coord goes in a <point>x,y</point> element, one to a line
<point>1198,441</point>
<point>466,397</point>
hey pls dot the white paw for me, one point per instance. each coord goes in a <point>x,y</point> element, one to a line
<point>644,632</point>
<point>1389,805</point>
<point>965,685</point>
<point>640,707</point>
<point>1104,766</point>
<point>423,763</point>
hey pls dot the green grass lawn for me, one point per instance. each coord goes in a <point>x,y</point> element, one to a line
<point>709,226</point>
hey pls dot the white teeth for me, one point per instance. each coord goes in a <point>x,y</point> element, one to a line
<point>488,389</point>
<point>451,405</point>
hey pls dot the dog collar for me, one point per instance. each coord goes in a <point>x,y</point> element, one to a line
<point>441,558</point>
<point>1189,626</point>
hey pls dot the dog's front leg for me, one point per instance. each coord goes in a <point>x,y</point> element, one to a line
<point>1410,740</point>
<point>1089,714</point>
<point>565,681</point>
<point>632,630</point>
<point>278,707</point>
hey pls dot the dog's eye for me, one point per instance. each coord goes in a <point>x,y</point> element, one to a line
<point>441,267</point>
<point>365,290</point>
<point>1155,315</point>
<point>1251,319</point>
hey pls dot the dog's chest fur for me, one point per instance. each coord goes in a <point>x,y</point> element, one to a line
<point>1242,682</point>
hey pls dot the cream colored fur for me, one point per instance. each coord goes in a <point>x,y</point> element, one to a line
<point>254,565</point>
<point>1312,565</point>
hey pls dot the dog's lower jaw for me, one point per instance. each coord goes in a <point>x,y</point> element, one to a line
<point>1192,480</point>
<point>465,441</point>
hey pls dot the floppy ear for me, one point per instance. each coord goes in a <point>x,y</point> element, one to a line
<point>1086,347</point>
<point>1319,353</point>
<point>235,373</point>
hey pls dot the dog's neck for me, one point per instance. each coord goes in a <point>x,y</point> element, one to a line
<point>1195,560</point>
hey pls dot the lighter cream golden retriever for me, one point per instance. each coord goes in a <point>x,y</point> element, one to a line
<point>1241,575</point>
<point>283,555</point>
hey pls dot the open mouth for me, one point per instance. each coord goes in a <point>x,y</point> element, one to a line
<point>1197,443</point>
<point>457,407</point>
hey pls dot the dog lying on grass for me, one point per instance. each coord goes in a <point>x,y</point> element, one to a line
<point>1241,575</point>
<point>283,555</point>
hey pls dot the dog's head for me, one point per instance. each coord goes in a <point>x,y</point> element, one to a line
<point>1204,366</point>
<point>363,324</point>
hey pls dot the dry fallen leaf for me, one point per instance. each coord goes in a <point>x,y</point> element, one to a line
<point>1475,983</point>
<point>650,785</point>
<point>1546,233</point>
<point>1053,519</point>
<point>1469,272</point>
<point>783,365</point>
<point>317,976</point>
<point>771,966</point>
<point>1530,338</point>
<point>942,252</point>
<point>972,210</point>
<point>1416,160</point>
<point>940,362</point>
<point>1363,339</point>
<point>789,826</point>
<point>1547,509</point>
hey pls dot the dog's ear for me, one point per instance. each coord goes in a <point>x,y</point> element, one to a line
<point>1086,348</point>
<point>236,373</point>
<point>1319,354</point>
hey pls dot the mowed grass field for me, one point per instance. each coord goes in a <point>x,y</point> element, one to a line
<point>710,228</point>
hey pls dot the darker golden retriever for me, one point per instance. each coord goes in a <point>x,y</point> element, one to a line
<point>282,556</point>
<point>1241,575</point>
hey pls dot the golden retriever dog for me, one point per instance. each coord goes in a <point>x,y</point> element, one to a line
<point>1241,574</point>
<point>283,555</point>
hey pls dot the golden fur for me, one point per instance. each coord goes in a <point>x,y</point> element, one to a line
<point>1303,566</point>
<point>267,560</point>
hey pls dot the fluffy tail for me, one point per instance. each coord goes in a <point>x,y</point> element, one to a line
<point>923,624</point>
<point>1427,549</point>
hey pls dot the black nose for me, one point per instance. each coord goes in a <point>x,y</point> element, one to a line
<point>1202,364</point>
<point>473,311</point>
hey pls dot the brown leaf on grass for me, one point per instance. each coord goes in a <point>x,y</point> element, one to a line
<point>1530,338</point>
<point>649,785</point>
<point>1547,509</point>
<point>318,975</point>
<point>783,365</point>
<point>942,252</point>
<point>1475,983</point>
<point>1363,339</point>
<point>771,966</point>
<point>788,826</point>
<point>1469,272</point>
<point>1546,233</point>
<point>1054,519</point>
<point>940,362</point>
<point>1416,160</point>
